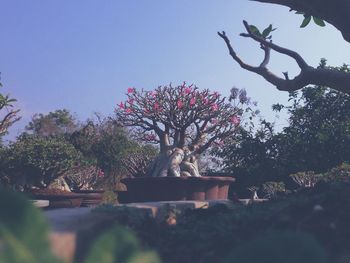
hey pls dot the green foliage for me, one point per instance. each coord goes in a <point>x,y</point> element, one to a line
<point>84,176</point>
<point>138,159</point>
<point>305,179</point>
<point>23,231</point>
<point>265,33</point>
<point>318,21</point>
<point>209,235</point>
<point>8,115</point>
<point>273,189</point>
<point>109,197</point>
<point>286,247</point>
<point>318,136</point>
<point>58,122</point>
<point>340,173</point>
<point>250,156</point>
<point>307,19</point>
<point>106,144</point>
<point>119,245</point>
<point>38,161</point>
<point>24,237</point>
<point>316,139</point>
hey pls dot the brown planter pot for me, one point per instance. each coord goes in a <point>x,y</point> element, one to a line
<point>90,197</point>
<point>122,197</point>
<point>148,189</point>
<point>61,201</point>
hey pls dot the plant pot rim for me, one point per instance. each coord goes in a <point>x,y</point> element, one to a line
<point>56,196</point>
<point>99,191</point>
<point>182,178</point>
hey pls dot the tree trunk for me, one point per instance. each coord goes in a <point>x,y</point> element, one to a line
<point>176,162</point>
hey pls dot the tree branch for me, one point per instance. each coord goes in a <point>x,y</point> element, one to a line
<point>335,12</point>
<point>300,61</point>
<point>321,76</point>
<point>10,118</point>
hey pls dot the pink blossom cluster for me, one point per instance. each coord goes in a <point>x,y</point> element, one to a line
<point>190,97</point>
<point>150,137</point>
<point>235,120</point>
<point>100,174</point>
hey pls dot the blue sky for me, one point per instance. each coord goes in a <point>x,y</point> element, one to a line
<point>82,55</point>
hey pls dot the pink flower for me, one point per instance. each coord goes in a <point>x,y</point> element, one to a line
<point>128,110</point>
<point>179,104</point>
<point>150,137</point>
<point>121,105</point>
<point>101,173</point>
<point>131,101</point>
<point>214,107</point>
<point>192,101</point>
<point>205,101</point>
<point>235,120</point>
<point>219,143</point>
<point>146,111</point>
<point>131,90</point>
<point>156,106</point>
<point>188,90</point>
<point>153,94</point>
<point>214,121</point>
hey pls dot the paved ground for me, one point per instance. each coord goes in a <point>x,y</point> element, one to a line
<point>68,223</point>
<point>69,219</point>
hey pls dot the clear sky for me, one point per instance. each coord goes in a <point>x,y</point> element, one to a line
<point>83,54</point>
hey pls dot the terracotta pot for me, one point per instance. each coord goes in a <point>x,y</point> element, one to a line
<point>147,189</point>
<point>90,197</point>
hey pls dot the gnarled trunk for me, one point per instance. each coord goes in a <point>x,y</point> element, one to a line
<point>175,162</point>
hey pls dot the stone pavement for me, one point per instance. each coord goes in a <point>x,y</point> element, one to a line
<point>66,223</point>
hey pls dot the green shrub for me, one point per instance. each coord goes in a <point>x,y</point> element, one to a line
<point>305,179</point>
<point>273,189</point>
<point>279,247</point>
<point>109,197</point>
<point>340,173</point>
<point>119,245</point>
<point>38,161</point>
<point>23,231</point>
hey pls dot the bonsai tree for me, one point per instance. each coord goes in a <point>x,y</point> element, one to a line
<point>184,121</point>
<point>137,161</point>
<point>38,161</point>
<point>106,144</point>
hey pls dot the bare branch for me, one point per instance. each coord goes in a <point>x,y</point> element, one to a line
<point>321,76</point>
<point>10,118</point>
<point>234,55</point>
<point>300,61</point>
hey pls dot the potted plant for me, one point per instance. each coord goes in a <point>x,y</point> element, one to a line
<point>184,121</point>
<point>34,164</point>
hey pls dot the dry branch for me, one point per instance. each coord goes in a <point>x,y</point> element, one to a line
<point>308,75</point>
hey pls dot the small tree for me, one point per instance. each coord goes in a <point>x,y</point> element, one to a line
<point>105,143</point>
<point>138,160</point>
<point>184,121</point>
<point>8,115</point>
<point>38,161</point>
<point>54,123</point>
